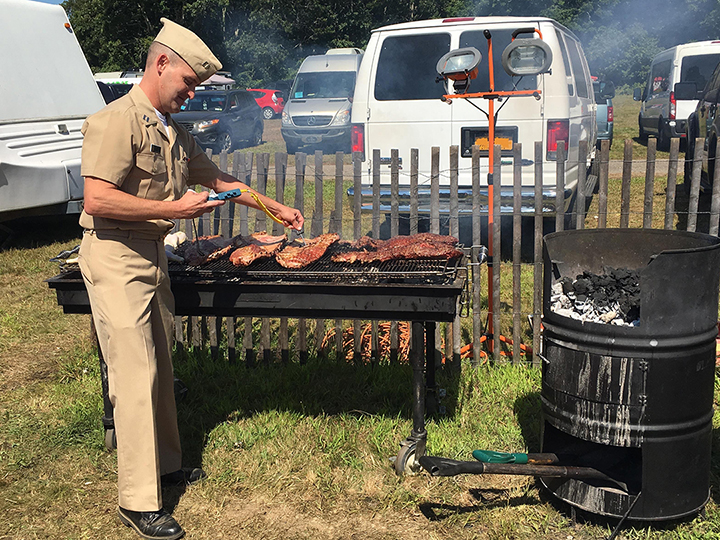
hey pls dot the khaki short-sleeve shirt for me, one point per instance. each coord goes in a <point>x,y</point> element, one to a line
<point>126,144</point>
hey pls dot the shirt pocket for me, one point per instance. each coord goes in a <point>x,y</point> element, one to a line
<point>153,183</point>
<point>151,162</point>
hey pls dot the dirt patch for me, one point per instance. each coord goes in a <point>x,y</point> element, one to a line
<point>261,518</point>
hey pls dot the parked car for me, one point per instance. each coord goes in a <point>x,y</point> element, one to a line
<point>660,113</point>
<point>222,119</point>
<point>703,122</point>
<point>112,91</point>
<point>271,102</point>
<point>604,92</point>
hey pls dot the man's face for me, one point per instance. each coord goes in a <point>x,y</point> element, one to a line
<point>177,83</point>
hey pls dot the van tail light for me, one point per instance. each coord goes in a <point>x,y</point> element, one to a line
<point>357,137</point>
<point>610,113</point>
<point>673,106</point>
<point>557,130</point>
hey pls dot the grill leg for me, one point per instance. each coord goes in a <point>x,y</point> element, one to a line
<point>413,448</point>
<point>430,389</point>
<point>108,418</point>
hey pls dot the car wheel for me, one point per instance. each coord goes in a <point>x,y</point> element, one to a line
<point>642,134</point>
<point>268,113</point>
<point>256,137</point>
<point>224,142</point>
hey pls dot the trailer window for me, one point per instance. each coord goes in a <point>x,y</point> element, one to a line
<point>698,69</point>
<point>406,67</point>
<point>503,81</point>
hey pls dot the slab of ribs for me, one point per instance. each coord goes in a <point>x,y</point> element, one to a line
<point>258,246</point>
<point>245,250</point>
<point>417,246</point>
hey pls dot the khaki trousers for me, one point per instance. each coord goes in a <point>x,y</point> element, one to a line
<point>127,281</point>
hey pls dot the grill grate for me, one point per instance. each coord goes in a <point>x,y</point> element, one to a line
<point>325,270</point>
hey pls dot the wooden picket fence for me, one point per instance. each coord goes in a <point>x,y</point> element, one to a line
<point>267,340</point>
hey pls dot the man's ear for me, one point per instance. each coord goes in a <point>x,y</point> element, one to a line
<point>162,62</point>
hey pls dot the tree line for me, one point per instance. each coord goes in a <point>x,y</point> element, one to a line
<point>260,41</point>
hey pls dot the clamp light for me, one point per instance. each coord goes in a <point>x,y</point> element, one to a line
<point>460,66</point>
<point>526,56</point>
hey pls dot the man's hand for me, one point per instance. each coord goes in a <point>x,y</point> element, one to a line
<point>291,217</point>
<point>193,204</point>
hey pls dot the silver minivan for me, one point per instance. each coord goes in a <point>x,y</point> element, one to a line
<point>317,111</point>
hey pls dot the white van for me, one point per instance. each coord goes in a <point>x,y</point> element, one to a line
<point>46,92</point>
<point>397,105</point>
<point>661,114</point>
<point>317,111</point>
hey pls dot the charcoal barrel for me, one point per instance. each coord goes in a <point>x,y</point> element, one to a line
<point>635,402</point>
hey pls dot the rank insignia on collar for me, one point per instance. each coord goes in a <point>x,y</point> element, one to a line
<point>146,117</point>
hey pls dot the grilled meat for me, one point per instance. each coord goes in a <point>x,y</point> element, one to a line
<point>417,246</point>
<point>204,249</point>
<point>258,246</point>
<point>296,255</point>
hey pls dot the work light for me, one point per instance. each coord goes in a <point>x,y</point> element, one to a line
<point>526,56</point>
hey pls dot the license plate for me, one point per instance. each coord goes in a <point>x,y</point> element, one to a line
<point>484,143</point>
<point>505,137</point>
<point>310,139</point>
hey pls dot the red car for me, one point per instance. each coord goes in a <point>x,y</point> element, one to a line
<point>271,101</point>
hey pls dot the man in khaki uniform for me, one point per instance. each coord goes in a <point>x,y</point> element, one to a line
<point>138,163</point>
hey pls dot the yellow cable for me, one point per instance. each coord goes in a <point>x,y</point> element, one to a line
<point>262,206</point>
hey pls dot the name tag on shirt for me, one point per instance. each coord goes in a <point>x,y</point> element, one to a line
<point>155,148</point>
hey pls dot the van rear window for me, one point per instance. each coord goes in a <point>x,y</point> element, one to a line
<point>503,81</point>
<point>406,67</point>
<point>698,69</point>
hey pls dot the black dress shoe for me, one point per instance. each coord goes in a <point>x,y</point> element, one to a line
<point>152,525</point>
<point>182,477</point>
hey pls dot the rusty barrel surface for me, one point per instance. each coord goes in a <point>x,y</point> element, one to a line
<point>634,401</point>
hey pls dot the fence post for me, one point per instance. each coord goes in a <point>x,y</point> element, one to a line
<point>517,249</point>
<point>281,161</point>
<point>578,218</point>
<point>671,184</point>
<point>317,229</point>
<point>694,199</point>
<point>452,335</point>
<point>475,264</point>
<point>414,210</point>
<point>497,250</point>
<point>300,164</point>
<point>603,184</point>
<point>537,258</point>
<point>715,204</point>
<point>435,190</point>
<point>394,231</point>
<point>626,177</point>
<point>336,226</point>
<point>649,183</point>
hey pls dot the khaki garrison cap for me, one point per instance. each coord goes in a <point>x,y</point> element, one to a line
<point>190,48</point>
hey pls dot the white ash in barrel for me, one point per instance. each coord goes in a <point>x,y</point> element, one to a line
<point>609,298</point>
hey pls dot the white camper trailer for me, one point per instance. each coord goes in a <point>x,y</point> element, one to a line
<point>46,92</point>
